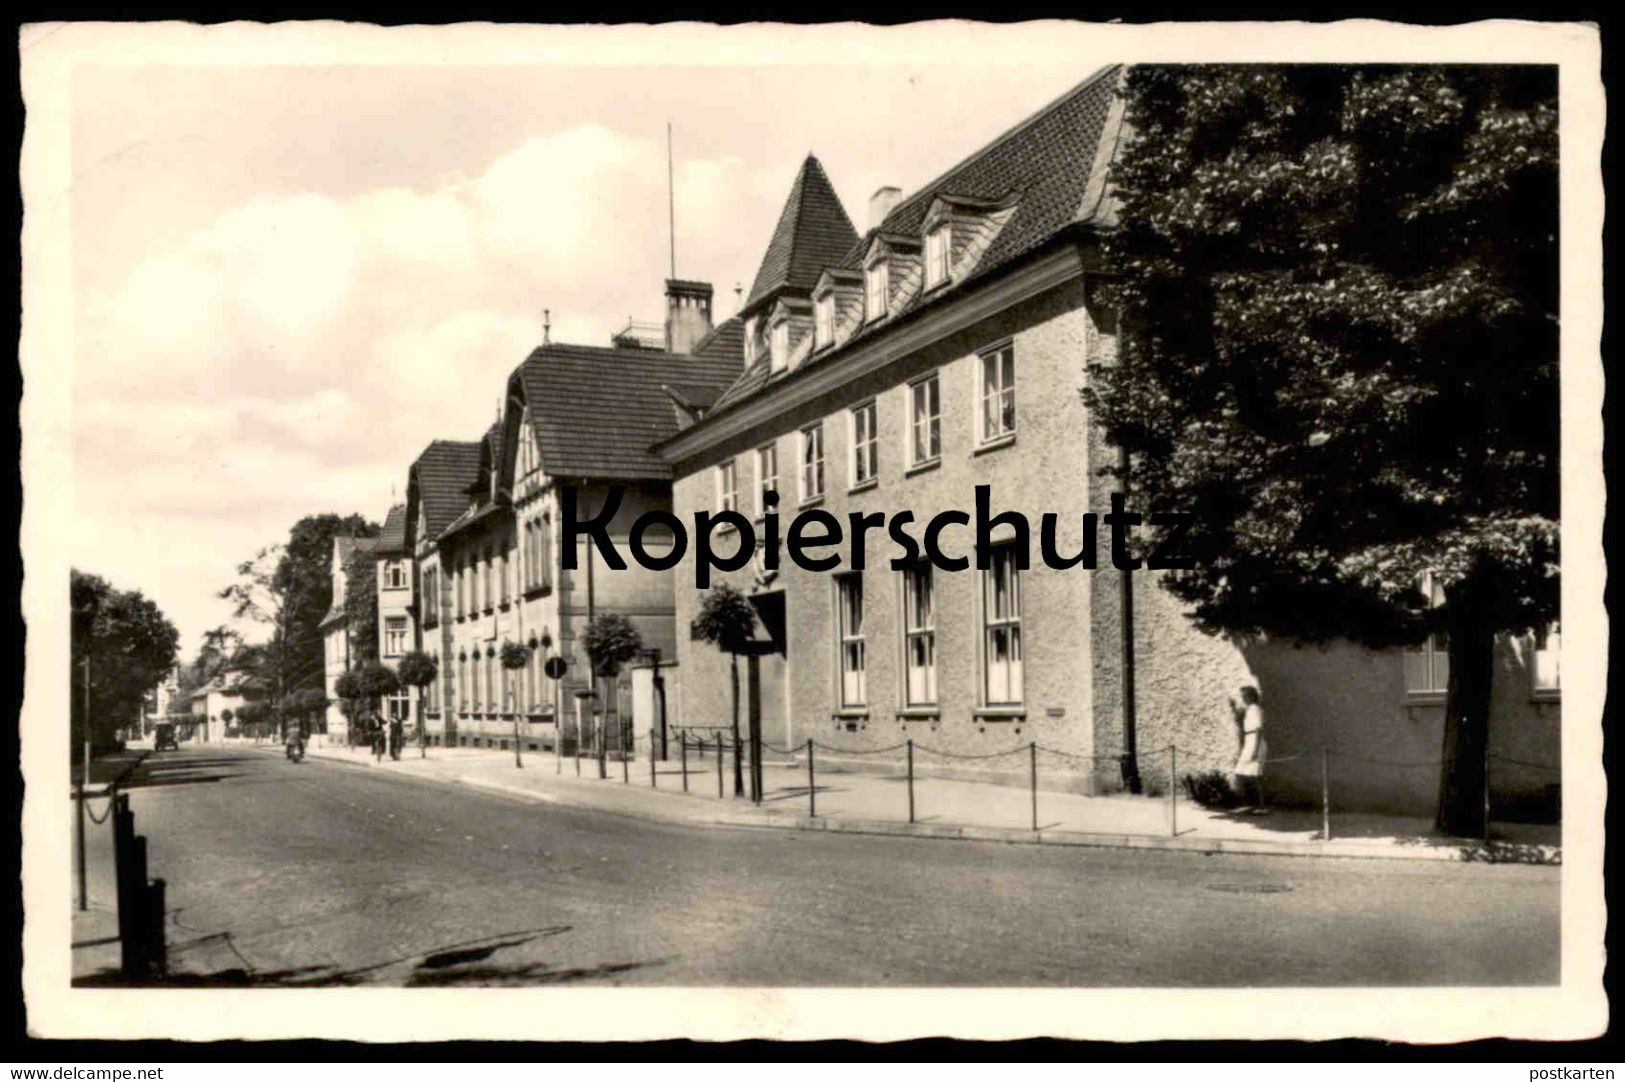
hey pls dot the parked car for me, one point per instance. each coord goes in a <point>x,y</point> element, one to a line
<point>163,737</point>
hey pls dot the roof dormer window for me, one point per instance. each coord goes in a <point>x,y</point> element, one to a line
<point>824,320</point>
<point>875,285</point>
<point>750,340</point>
<point>780,345</point>
<point>938,245</point>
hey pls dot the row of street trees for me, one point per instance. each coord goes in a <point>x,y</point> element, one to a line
<point>121,647</point>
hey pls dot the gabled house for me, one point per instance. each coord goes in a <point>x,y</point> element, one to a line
<point>944,349</point>
<point>397,631</point>
<point>437,486</point>
<point>483,522</point>
<point>338,644</point>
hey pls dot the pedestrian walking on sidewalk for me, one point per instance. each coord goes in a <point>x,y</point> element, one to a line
<point>397,736</point>
<point>375,727</point>
<point>1249,770</point>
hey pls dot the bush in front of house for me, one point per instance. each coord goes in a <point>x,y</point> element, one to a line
<point>1211,789</point>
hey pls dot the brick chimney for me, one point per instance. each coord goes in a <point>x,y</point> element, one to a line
<point>882,203</point>
<point>688,314</point>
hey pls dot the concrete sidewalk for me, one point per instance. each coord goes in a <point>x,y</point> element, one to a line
<point>868,802</point>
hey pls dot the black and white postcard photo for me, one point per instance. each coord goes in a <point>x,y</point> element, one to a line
<point>609,533</point>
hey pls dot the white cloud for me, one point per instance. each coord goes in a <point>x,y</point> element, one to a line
<point>296,354</point>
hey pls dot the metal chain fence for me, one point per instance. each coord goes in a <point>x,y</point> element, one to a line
<point>697,751</point>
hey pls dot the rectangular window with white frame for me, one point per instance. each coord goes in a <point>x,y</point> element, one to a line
<point>874,290</point>
<point>395,575</point>
<point>937,248</point>
<point>1001,630</point>
<point>780,345</point>
<point>750,340</point>
<point>544,545</point>
<point>1545,652</point>
<point>824,320</point>
<point>925,420</point>
<point>997,416</point>
<point>767,475</point>
<point>865,445</point>
<point>919,637</point>
<point>394,636</point>
<point>812,463</point>
<point>1427,664</point>
<point>728,486</point>
<point>849,622</point>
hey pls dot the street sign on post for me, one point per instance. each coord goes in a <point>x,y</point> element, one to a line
<point>554,669</point>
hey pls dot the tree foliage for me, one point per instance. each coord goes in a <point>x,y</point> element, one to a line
<point>288,588</point>
<point>417,669</point>
<point>1337,289</point>
<point>726,619</point>
<point>611,641</point>
<point>376,681</point>
<point>130,645</point>
<point>361,603</point>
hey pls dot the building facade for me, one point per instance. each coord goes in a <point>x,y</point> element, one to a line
<point>944,350</point>
<point>483,523</point>
<point>397,630</point>
<point>339,654</point>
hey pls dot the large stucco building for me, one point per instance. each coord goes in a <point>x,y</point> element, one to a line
<point>482,524</point>
<point>339,652</point>
<point>943,349</point>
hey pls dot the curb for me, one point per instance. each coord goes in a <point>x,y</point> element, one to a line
<point>1505,853</point>
<point>119,780</point>
<point>1468,852</point>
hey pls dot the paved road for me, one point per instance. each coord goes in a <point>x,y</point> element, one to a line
<point>320,873</point>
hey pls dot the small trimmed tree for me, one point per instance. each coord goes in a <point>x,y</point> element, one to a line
<point>305,703</point>
<point>727,621</point>
<point>419,670</point>
<point>348,688</point>
<point>514,656</point>
<point>225,719</point>
<point>611,640</point>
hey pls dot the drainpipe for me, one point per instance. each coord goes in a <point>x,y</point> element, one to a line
<point>1125,578</point>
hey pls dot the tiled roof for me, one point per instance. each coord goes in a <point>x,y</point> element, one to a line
<point>444,471</point>
<point>813,233</point>
<point>392,541</point>
<point>1050,166</point>
<point>596,411</point>
<point>725,343</point>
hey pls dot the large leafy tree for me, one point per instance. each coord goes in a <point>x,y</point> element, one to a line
<point>288,588</point>
<point>126,645</point>
<point>1337,289</point>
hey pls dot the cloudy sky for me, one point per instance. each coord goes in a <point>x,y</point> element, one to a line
<point>289,278</point>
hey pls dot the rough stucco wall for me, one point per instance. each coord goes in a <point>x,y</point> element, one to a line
<point>1032,475</point>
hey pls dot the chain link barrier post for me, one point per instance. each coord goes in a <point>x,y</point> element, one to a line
<point>1325,795</point>
<point>1032,762</point>
<point>812,799</point>
<point>682,745</point>
<point>719,766</point>
<point>911,781</point>
<point>1486,782</point>
<point>652,783</point>
<point>1173,791</point>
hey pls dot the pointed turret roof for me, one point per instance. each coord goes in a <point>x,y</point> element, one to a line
<point>813,233</point>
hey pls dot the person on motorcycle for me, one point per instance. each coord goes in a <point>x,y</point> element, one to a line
<point>293,740</point>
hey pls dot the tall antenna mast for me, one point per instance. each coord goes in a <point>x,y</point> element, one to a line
<point>671,202</point>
